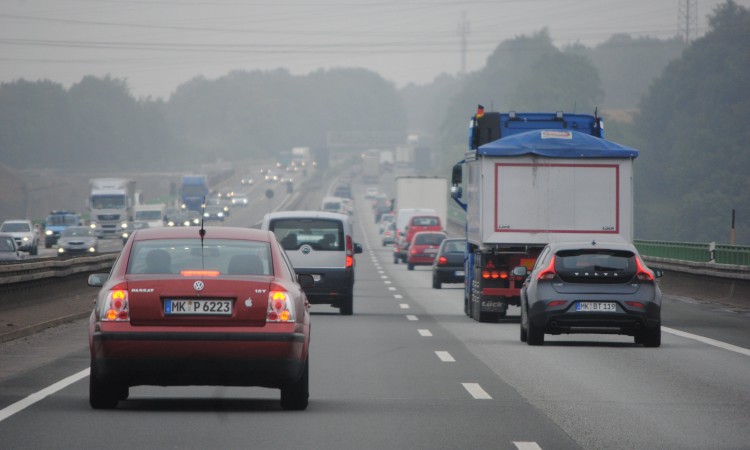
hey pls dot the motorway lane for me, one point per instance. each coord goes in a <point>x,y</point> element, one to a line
<point>377,382</point>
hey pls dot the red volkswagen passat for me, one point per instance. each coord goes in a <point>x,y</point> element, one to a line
<point>193,306</point>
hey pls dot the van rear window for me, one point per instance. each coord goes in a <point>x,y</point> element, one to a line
<point>320,234</point>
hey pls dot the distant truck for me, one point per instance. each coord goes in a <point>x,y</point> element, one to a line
<point>416,194</point>
<point>152,214</point>
<point>56,222</point>
<point>301,156</point>
<point>371,168</point>
<point>193,191</point>
<point>111,203</point>
<point>530,179</point>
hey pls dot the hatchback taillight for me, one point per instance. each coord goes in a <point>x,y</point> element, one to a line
<point>442,261</point>
<point>644,273</point>
<point>549,272</point>
<point>115,307</point>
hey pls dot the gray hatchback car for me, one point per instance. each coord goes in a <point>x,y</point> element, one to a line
<point>590,287</point>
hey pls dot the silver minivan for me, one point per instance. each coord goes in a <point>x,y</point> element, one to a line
<point>320,244</point>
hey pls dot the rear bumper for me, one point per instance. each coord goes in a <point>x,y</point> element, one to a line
<point>566,320</point>
<point>448,274</point>
<point>333,285</point>
<point>198,358</point>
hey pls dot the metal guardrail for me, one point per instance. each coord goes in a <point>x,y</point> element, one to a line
<point>20,272</point>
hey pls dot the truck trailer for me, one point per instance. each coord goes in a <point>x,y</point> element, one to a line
<point>531,179</point>
<point>193,191</point>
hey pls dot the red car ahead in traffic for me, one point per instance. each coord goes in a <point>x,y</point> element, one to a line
<point>423,248</point>
<point>180,308</point>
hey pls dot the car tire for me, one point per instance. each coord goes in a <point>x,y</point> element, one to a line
<point>347,304</point>
<point>33,251</point>
<point>103,395</point>
<point>436,284</point>
<point>534,334</point>
<point>46,245</point>
<point>410,266</point>
<point>395,258</point>
<point>650,337</point>
<point>295,396</point>
<point>524,332</point>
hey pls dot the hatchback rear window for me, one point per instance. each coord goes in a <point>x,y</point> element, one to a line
<point>320,234</point>
<point>215,256</point>
<point>428,239</point>
<point>608,266</point>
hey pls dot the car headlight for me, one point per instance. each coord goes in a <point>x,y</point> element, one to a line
<point>206,215</point>
<point>170,223</point>
<point>186,223</point>
<point>26,239</point>
<point>196,221</point>
<point>60,250</point>
<point>93,225</point>
<point>220,214</point>
<point>48,232</point>
<point>125,235</point>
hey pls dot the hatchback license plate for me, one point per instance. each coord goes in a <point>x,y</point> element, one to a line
<point>459,273</point>
<point>201,307</point>
<point>596,306</point>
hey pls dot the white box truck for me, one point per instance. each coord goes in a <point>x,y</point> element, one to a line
<point>111,203</point>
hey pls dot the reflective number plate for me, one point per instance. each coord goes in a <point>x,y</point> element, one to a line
<point>459,273</point>
<point>596,307</point>
<point>430,250</point>
<point>173,307</point>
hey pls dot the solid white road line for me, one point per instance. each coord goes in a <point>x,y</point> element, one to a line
<point>426,333</point>
<point>709,341</point>
<point>445,356</point>
<point>476,391</point>
<point>527,446</point>
<point>40,395</point>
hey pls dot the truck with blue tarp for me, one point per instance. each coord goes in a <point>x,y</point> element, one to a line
<point>193,191</point>
<point>529,179</point>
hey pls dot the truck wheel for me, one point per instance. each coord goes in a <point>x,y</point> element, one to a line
<point>436,284</point>
<point>649,337</point>
<point>534,334</point>
<point>46,245</point>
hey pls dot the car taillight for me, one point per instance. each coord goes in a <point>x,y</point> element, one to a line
<point>549,272</point>
<point>413,251</point>
<point>280,306</point>
<point>349,261</point>
<point>556,303</point>
<point>638,305</point>
<point>115,307</point>
<point>643,272</point>
<point>200,273</point>
<point>494,274</point>
<point>349,245</point>
<point>442,261</point>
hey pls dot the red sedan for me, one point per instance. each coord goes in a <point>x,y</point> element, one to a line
<point>187,306</point>
<point>423,248</point>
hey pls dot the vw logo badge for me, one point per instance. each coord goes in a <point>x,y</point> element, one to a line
<point>306,249</point>
<point>198,285</point>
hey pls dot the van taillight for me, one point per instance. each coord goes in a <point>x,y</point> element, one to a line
<point>349,261</point>
<point>349,245</point>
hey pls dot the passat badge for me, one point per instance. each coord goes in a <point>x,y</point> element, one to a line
<point>198,285</point>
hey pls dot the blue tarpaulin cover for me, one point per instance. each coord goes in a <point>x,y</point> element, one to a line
<point>556,144</point>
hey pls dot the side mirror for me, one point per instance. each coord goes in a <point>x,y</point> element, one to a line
<point>456,192</point>
<point>306,280</point>
<point>98,279</point>
<point>357,248</point>
<point>658,273</point>
<point>456,175</point>
<point>521,271</point>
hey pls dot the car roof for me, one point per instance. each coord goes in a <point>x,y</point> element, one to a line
<point>307,215</point>
<point>211,233</point>
<point>17,221</point>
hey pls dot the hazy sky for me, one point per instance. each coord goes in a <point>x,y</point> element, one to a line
<point>158,44</point>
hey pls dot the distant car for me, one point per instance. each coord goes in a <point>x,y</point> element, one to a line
<point>389,234</point>
<point>8,249</point>
<point>129,227</point>
<point>423,248</point>
<point>213,212</point>
<point>180,310</point>
<point>247,180</point>
<point>56,222</point>
<point>77,240</point>
<point>386,219</point>
<point>590,287</point>
<point>371,192</point>
<point>23,231</point>
<point>448,266</point>
<point>239,199</point>
<point>185,218</point>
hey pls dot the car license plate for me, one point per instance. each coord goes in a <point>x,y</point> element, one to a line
<point>459,273</point>
<point>202,307</point>
<point>596,306</point>
<point>430,250</point>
